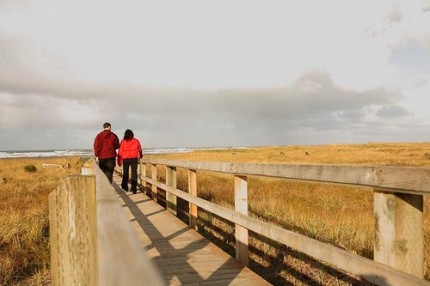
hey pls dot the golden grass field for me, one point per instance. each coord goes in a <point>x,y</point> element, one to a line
<point>24,225</point>
<point>340,215</point>
<point>337,214</point>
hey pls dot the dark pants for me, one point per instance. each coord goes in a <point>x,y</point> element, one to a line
<point>107,166</point>
<point>129,164</point>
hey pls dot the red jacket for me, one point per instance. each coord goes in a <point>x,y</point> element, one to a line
<point>129,149</point>
<point>105,144</point>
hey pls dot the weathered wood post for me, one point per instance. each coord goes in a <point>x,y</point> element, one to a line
<point>241,206</point>
<point>154,187</point>
<point>399,240</point>
<point>139,173</point>
<point>192,190</point>
<point>171,182</point>
<point>142,175</point>
<point>88,167</point>
<point>73,237</point>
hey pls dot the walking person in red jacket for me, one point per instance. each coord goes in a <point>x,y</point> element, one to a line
<point>130,151</point>
<point>105,145</point>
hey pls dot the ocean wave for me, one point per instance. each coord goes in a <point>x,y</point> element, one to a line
<point>89,153</point>
<point>166,150</point>
<point>45,153</point>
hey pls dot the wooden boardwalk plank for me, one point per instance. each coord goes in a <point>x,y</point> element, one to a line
<point>183,256</point>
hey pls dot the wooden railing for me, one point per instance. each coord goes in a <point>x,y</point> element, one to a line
<point>398,211</point>
<point>91,239</point>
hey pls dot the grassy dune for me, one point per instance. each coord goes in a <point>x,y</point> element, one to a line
<point>24,225</point>
<point>340,215</point>
<point>401,154</point>
<point>336,214</point>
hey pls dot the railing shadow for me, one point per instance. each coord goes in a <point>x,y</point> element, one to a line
<point>167,252</point>
<point>225,240</point>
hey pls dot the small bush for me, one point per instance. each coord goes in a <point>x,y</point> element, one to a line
<point>30,168</point>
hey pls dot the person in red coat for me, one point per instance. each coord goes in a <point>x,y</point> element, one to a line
<point>105,145</point>
<point>130,151</point>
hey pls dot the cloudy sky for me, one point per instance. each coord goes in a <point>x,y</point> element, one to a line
<point>186,73</point>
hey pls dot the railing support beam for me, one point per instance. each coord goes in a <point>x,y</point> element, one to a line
<point>192,190</point>
<point>171,182</point>
<point>399,240</point>
<point>154,187</point>
<point>73,237</point>
<point>143,174</point>
<point>241,206</point>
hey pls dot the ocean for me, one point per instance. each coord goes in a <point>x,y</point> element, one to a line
<point>89,152</point>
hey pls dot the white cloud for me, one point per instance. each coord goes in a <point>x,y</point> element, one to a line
<point>209,45</point>
<point>24,111</point>
<point>226,72</point>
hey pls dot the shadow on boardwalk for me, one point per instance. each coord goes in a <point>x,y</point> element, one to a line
<point>182,255</point>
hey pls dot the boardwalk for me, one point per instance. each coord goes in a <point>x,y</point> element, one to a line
<point>182,255</point>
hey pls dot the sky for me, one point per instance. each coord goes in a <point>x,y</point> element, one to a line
<point>193,73</point>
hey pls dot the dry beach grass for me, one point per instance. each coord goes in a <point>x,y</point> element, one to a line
<point>340,215</point>
<point>24,227</point>
<point>336,214</point>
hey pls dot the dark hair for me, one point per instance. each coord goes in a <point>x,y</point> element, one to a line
<point>106,125</point>
<point>128,134</point>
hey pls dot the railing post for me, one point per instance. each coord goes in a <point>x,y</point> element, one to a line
<point>399,240</point>
<point>171,182</point>
<point>241,206</point>
<point>88,167</point>
<point>154,187</point>
<point>192,190</point>
<point>143,175</point>
<point>139,172</point>
<point>73,237</point>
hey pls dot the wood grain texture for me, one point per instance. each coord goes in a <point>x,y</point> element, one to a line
<point>241,206</point>
<point>143,173</point>
<point>396,179</point>
<point>91,240</point>
<point>121,259</point>
<point>399,237</point>
<point>154,177</point>
<point>73,232</point>
<point>182,255</point>
<point>192,190</point>
<point>370,270</point>
<point>171,181</point>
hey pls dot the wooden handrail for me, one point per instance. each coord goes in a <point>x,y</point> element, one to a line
<point>409,186</point>
<point>412,180</point>
<point>121,258</point>
<point>89,229</point>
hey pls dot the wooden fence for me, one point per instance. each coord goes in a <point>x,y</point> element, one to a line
<point>91,239</point>
<point>398,212</point>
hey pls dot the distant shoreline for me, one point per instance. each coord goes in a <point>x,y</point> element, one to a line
<point>46,153</point>
<point>45,157</point>
<point>87,153</point>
